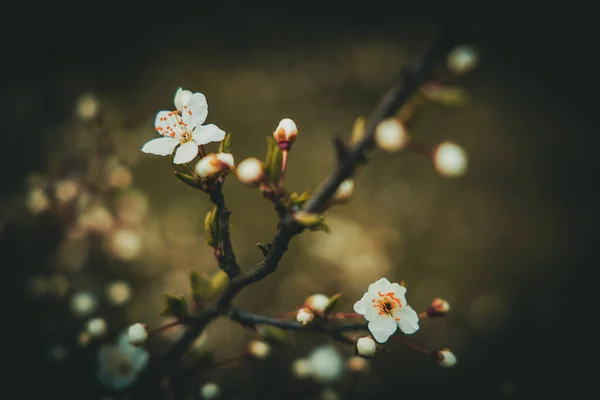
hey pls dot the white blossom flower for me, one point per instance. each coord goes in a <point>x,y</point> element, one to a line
<point>304,316</point>
<point>96,327</point>
<point>390,135</point>
<point>137,334</point>
<point>118,292</point>
<point>445,358</point>
<point>250,171</point>
<point>366,347</point>
<point>120,363</point>
<point>317,303</point>
<point>210,390</point>
<point>301,368</point>
<point>326,364</point>
<point>450,160</point>
<point>462,59</point>
<point>386,309</point>
<point>83,303</point>
<point>259,349</point>
<point>183,127</point>
<point>213,164</point>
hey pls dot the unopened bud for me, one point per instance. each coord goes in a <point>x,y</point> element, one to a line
<point>304,316</point>
<point>357,364</point>
<point>301,368</point>
<point>344,191</point>
<point>286,133</point>
<point>96,327</point>
<point>213,164</point>
<point>366,346</point>
<point>462,59</point>
<point>250,171</point>
<point>259,349</point>
<point>390,135</point>
<point>445,358</point>
<point>210,391</point>
<point>450,160</point>
<point>438,307</point>
<point>137,334</point>
<point>317,303</point>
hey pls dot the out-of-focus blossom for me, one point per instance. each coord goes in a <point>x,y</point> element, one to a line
<point>37,201</point>
<point>250,171</point>
<point>450,160</point>
<point>87,106</point>
<point>118,292</point>
<point>137,334</point>
<point>214,164</point>
<point>259,349</point>
<point>357,364</point>
<point>301,368</point>
<point>119,176</point>
<point>120,363</point>
<point>317,303</point>
<point>210,390</point>
<point>438,307</point>
<point>132,207</point>
<point>96,327</point>
<point>326,364</point>
<point>305,316</point>
<point>462,59</point>
<point>83,303</point>
<point>60,284</point>
<point>366,346</point>
<point>384,306</point>
<point>390,135</point>
<point>183,128</point>
<point>96,218</point>
<point>125,244</point>
<point>344,191</point>
<point>84,338</point>
<point>66,190</point>
<point>445,358</point>
<point>329,394</point>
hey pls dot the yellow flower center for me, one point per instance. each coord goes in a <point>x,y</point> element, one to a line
<point>387,303</point>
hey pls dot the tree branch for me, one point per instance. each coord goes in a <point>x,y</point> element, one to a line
<point>225,253</point>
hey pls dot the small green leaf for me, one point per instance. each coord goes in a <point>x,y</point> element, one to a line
<point>273,334</point>
<point>211,226</point>
<point>175,306</point>
<point>273,160</point>
<point>297,200</point>
<point>308,219</point>
<point>225,146</point>
<point>218,282</point>
<point>200,287</point>
<point>358,130</point>
<point>321,226</point>
<point>188,179</point>
<point>265,248</point>
<point>451,96</point>
<point>333,300</point>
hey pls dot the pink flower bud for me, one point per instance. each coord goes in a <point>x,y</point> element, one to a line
<point>438,307</point>
<point>286,133</point>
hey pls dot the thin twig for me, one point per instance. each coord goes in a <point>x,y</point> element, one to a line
<point>226,255</point>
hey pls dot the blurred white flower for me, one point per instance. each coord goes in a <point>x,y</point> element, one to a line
<point>390,135</point>
<point>301,368</point>
<point>183,128</point>
<point>37,201</point>
<point>96,218</point>
<point>384,306</point>
<point>250,171</point>
<point>118,292</point>
<point>317,303</point>
<point>462,59</point>
<point>210,390</point>
<point>137,334</point>
<point>445,358</point>
<point>83,303</point>
<point>438,307</point>
<point>125,244</point>
<point>120,363</point>
<point>66,190</point>
<point>259,349</point>
<point>344,191</point>
<point>357,364</point>
<point>119,176</point>
<point>326,364</point>
<point>304,316</point>
<point>366,346</point>
<point>450,160</point>
<point>96,327</point>
<point>87,106</point>
<point>213,164</point>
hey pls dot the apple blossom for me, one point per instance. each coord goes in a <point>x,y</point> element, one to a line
<point>183,127</point>
<point>386,309</point>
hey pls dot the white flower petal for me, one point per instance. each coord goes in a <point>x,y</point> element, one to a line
<point>409,319</point>
<point>208,133</point>
<point>382,327</point>
<point>227,159</point>
<point>161,146</point>
<point>168,123</point>
<point>182,97</point>
<point>379,286</point>
<point>197,108</point>
<point>360,307</point>
<point>185,153</point>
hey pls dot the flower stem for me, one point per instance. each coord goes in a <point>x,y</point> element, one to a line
<point>164,327</point>
<point>414,346</point>
<point>283,167</point>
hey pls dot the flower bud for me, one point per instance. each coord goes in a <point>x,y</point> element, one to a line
<point>445,358</point>
<point>213,164</point>
<point>210,391</point>
<point>137,334</point>
<point>304,316</point>
<point>317,303</point>
<point>286,133</point>
<point>250,171</point>
<point>259,349</point>
<point>357,364</point>
<point>96,327</point>
<point>438,307</point>
<point>301,368</point>
<point>344,191</point>
<point>450,160</point>
<point>366,346</point>
<point>462,59</point>
<point>390,135</point>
